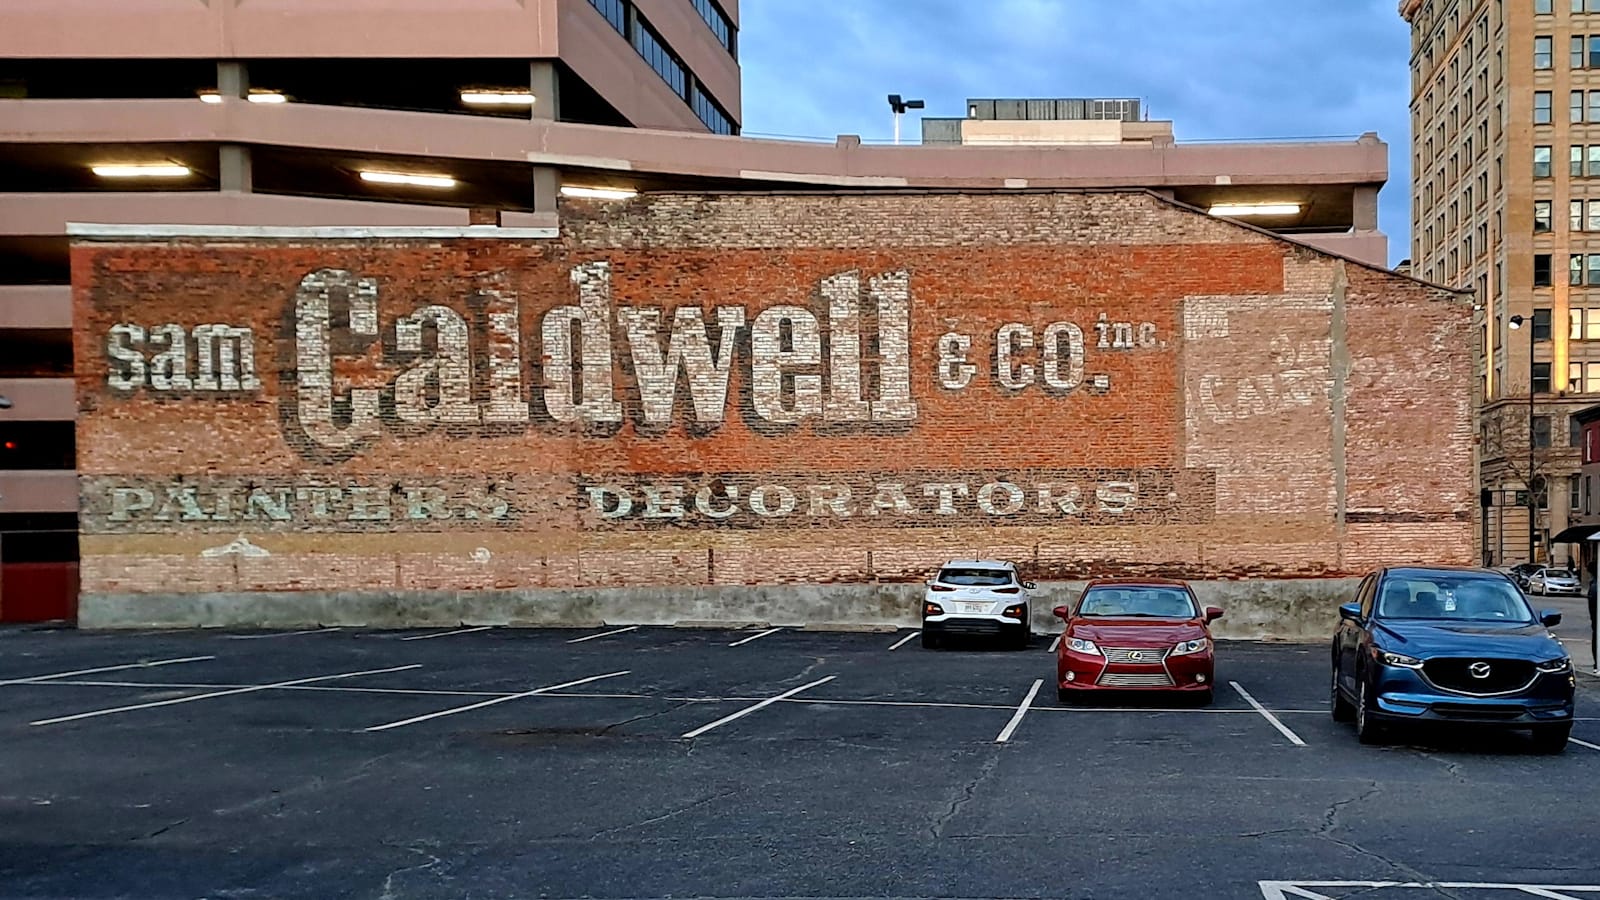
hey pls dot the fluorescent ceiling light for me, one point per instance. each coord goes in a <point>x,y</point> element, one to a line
<point>255,97</point>
<point>431,181</point>
<point>142,170</point>
<point>1255,209</point>
<point>594,193</point>
<point>497,98</point>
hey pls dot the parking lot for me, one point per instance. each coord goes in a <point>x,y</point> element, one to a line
<point>656,762</point>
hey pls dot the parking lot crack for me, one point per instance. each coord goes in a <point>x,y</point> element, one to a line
<point>666,815</point>
<point>643,716</point>
<point>388,883</point>
<point>963,797</point>
<point>1330,821</point>
<point>162,830</point>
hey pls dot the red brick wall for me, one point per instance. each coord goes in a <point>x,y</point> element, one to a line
<point>483,407</point>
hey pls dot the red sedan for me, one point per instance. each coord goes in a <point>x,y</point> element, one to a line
<point>1139,635</point>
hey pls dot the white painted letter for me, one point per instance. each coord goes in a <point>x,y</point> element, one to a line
<point>449,368</point>
<point>314,359</point>
<point>128,373</point>
<point>1053,334</point>
<point>893,293</point>
<point>768,359</point>
<point>687,348</point>
<point>598,402</point>
<point>1013,336</point>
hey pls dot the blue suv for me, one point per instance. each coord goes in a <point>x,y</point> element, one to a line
<point>1446,645</point>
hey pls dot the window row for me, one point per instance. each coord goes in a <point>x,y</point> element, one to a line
<point>720,24</point>
<point>1582,162</point>
<point>1543,7</point>
<point>655,52</point>
<point>1583,324</point>
<point>1582,215</point>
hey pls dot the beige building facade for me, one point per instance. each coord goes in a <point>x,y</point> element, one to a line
<point>1505,148</point>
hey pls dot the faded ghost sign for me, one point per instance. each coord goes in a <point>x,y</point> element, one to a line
<point>354,363</point>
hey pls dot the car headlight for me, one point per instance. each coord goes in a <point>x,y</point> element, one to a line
<point>1555,666</point>
<point>1402,660</point>
<point>1184,648</point>
<point>1083,646</point>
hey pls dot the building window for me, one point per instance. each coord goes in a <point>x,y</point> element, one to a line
<point>722,27</point>
<point>1575,161</point>
<point>1575,51</point>
<point>1574,492</point>
<point>1541,424</point>
<point>1594,106</point>
<point>655,52</point>
<point>615,12</point>
<point>1585,325</point>
<point>1583,378</point>
<point>1541,163</point>
<point>1575,215</point>
<point>1541,107</point>
<point>1591,444</point>
<point>1541,7</point>
<point>1541,324</point>
<point>1541,270</point>
<point>1594,215</point>
<point>1588,492</point>
<point>1593,160</point>
<point>1575,106</point>
<point>1594,269</point>
<point>711,113</point>
<point>1541,52</point>
<point>1541,216</point>
<point>1594,51</point>
<point>1574,432</point>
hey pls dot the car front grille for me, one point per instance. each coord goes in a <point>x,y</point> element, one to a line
<point>1457,674</point>
<point>1481,711</point>
<point>970,626</point>
<point>1147,656</point>
<point>1130,679</point>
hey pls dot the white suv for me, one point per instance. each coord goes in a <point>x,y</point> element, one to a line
<point>977,597</point>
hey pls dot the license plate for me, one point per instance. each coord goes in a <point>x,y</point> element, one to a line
<point>976,607</point>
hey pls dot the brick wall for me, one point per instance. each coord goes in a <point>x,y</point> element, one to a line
<point>743,389</point>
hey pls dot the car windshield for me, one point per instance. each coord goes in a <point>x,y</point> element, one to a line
<point>975,577</point>
<point>1154,602</point>
<point>1449,595</point>
<point>1557,573</point>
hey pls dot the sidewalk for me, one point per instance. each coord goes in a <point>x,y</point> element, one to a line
<point>1573,630</point>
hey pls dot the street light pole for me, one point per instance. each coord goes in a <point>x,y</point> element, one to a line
<point>899,106</point>
<point>1517,322</point>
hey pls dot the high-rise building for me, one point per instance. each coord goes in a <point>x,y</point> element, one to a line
<point>1505,113</point>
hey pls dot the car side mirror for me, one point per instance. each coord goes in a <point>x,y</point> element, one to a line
<point>1350,612</point>
<point>1062,612</point>
<point>1550,618</point>
<point>1213,613</point>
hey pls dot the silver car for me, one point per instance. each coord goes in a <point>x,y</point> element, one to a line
<point>1553,581</point>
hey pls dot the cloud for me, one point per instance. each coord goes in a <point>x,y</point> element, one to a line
<point>1220,69</point>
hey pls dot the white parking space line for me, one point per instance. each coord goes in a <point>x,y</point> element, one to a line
<point>1267,714</point>
<point>1016,718</point>
<point>279,634</point>
<point>755,636</point>
<point>228,693</point>
<point>902,642</point>
<point>437,634</point>
<point>1057,642</point>
<point>1282,890</point>
<point>762,705</point>
<point>472,706</point>
<point>1573,740</point>
<point>35,679</point>
<point>603,634</point>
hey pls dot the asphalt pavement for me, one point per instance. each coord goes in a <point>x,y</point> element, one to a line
<point>659,763</point>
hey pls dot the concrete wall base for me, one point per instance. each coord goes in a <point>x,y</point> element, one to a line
<point>1287,609</point>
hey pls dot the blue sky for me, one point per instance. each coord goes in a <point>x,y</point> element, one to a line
<point>1221,69</point>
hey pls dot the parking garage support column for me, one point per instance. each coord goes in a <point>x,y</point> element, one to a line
<point>233,162</point>
<point>546,184</point>
<point>1365,213</point>
<point>546,89</point>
